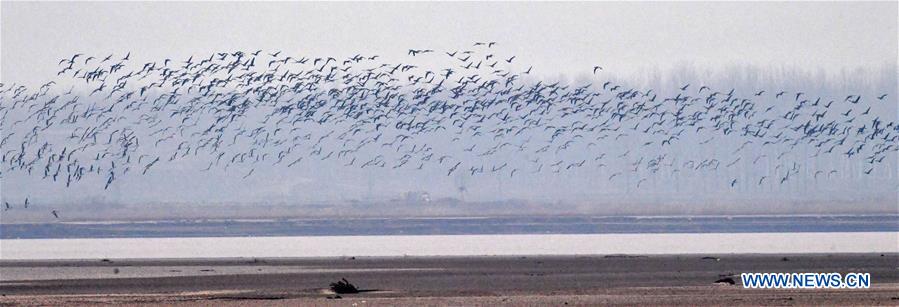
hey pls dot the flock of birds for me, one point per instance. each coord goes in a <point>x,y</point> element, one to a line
<point>107,117</point>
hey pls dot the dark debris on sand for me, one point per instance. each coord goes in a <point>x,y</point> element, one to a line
<point>343,287</point>
<point>726,280</point>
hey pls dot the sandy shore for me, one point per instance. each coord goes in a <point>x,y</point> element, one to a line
<point>416,281</point>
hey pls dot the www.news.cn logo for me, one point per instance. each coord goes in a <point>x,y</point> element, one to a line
<point>806,280</point>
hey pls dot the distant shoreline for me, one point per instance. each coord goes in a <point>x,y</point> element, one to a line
<point>460,216</point>
<point>450,225</point>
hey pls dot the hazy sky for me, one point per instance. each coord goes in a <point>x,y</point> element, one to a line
<point>557,38</point>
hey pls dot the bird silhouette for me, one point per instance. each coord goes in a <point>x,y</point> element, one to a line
<point>228,113</point>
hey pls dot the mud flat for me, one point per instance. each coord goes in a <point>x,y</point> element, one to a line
<point>415,281</point>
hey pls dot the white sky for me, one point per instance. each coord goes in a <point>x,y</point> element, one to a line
<point>558,38</point>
